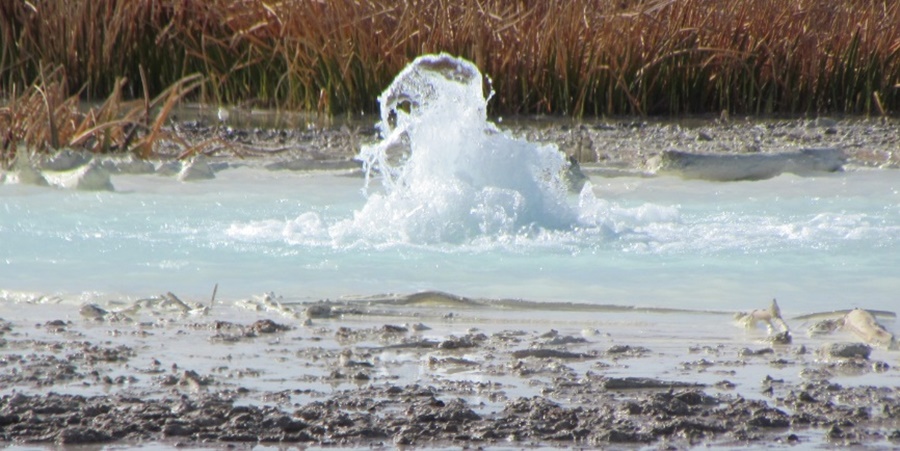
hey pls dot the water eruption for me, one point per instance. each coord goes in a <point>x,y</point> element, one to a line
<point>448,173</point>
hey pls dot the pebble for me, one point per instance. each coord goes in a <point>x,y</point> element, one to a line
<point>848,350</point>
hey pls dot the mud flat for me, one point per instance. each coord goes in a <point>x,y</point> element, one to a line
<point>625,144</point>
<point>435,370</point>
<point>640,144</point>
<point>431,370</point>
<point>693,148</point>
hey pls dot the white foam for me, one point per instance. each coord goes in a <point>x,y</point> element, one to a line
<point>449,174</point>
<point>306,229</point>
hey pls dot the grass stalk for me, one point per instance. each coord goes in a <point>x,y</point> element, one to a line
<point>575,57</point>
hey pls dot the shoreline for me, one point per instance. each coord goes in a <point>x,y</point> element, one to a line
<point>441,371</point>
<point>690,148</point>
<point>431,370</point>
<point>627,144</point>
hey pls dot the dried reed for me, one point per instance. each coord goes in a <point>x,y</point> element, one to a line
<point>45,117</point>
<point>575,57</point>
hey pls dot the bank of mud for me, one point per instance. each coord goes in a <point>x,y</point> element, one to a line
<point>416,415</point>
<point>713,149</point>
<point>384,374</point>
<point>358,374</point>
<point>627,144</point>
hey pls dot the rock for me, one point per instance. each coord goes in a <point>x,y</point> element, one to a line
<point>575,178</point>
<point>565,340</point>
<point>549,354</point>
<point>418,327</point>
<point>627,350</point>
<point>866,327</point>
<point>217,166</point>
<point>771,317</point>
<point>394,329</point>
<point>77,435</point>
<point>781,338</point>
<point>747,352</point>
<point>467,341</point>
<point>822,122</point>
<point>24,172</point>
<point>168,168</point>
<point>310,164</point>
<point>734,167</point>
<point>826,326</point>
<point>64,160</point>
<point>191,379</point>
<point>90,177</point>
<point>848,350</point>
<point>128,165</point>
<point>196,169</point>
<point>318,311</point>
<point>634,383</point>
<point>267,326</point>
<point>769,418</point>
<point>92,312</point>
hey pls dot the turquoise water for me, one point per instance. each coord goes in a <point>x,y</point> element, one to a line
<point>815,243</point>
<point>449,202</point>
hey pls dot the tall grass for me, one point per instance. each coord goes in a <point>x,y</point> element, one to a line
<point>573,57</point>
<point>46,117</point>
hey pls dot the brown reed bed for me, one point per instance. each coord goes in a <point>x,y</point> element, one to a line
<point>574,57</point>
<point>45,117</point>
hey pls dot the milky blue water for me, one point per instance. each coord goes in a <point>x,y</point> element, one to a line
<point>451,203</point>
<point>815,243</point>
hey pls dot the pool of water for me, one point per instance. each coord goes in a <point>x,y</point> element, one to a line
<point>815,243</point>
<point>449,202</point>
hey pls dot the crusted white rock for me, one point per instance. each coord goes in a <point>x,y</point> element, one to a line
<point>753,166</point>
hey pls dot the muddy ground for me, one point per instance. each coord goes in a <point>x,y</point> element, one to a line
<point>429,372</point>
<point>351,377</point>
<point>625,144</point>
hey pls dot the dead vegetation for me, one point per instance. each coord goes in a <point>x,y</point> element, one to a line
<point>580,57</point>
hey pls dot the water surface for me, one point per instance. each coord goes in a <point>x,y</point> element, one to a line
<point>449,202</point>
<point>816,243</point>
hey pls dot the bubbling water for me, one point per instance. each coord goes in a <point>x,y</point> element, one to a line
<point>450,175</point>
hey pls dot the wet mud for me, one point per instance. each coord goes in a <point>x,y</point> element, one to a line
<point>358,374</point>
<point>359,378</point>
<point>623,144</point>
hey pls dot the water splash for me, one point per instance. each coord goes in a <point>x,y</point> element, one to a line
<point>451,179</point>
<point>448,174</point>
